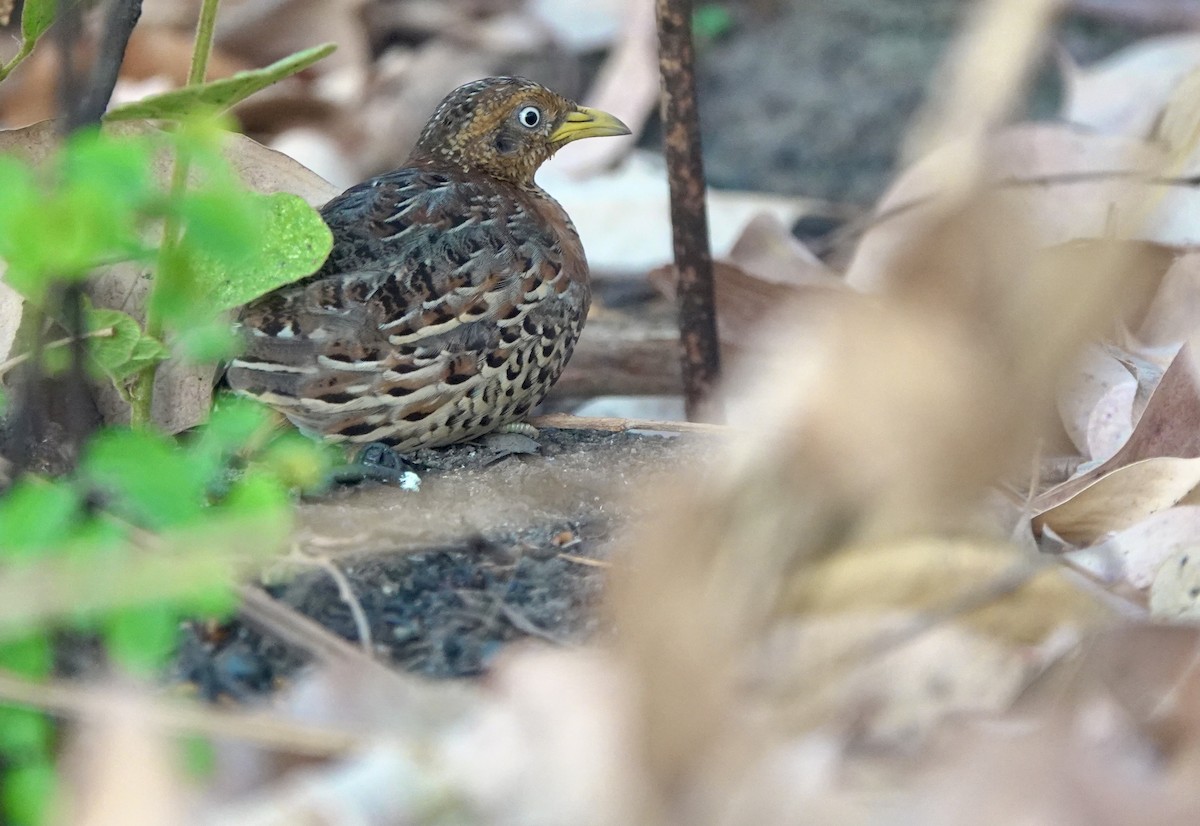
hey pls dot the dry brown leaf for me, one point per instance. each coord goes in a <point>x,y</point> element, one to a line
<point>1120,499</point>
<point>1166,428</point>
<point>1108,736</point>
<point>746,302</point>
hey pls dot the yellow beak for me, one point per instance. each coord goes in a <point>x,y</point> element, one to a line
<point>587,123</point>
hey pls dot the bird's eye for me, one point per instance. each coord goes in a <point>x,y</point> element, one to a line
<point>530,116</point>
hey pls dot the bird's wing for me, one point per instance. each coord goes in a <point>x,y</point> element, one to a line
<point>429,282</point>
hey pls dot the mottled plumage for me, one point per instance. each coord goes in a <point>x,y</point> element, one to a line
<point>455,291</point>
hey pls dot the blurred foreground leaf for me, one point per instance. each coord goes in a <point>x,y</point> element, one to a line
<point>294,243</point>
<point>219,94</point>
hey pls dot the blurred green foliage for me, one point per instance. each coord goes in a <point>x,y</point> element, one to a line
<point>167,203</point>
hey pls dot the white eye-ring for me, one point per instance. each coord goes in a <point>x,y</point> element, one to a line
<point>530,116</point>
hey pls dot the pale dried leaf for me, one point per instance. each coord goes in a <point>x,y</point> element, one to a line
<point>124,770</point>
<point>1096,404</point>
<point>1122,498</point>
<point>318,151</point>
<point>1174,313</point>
<point>746,302</point>
<point>624,216</point>
<point>1178,126</point>
<point>832,667</point>
<point>980,81</point>
<point>898,636</point>
<point>11,305</point>
<point>584,25</point>
<point>268,171</point>
<point>1126,93</point>
<point>983,585</point>
<point>1141,549</point>
<point>385,784</point>
<point>1067,184</point>
<point>554,744</point>
<point>1111,421</point>
<point>768,250</point>
<point>627,85</point>
<point>1175,593</point>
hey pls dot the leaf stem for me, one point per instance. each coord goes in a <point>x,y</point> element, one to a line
<point>204,40</point>
<point>141,398</point>
<point>17,361</point>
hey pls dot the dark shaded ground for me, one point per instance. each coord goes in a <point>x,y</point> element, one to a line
<point>446,609</point>
<point>814,99</point>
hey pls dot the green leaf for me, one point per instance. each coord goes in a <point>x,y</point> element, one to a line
<point>116,167</point>
<point>199,757</point>
<point>298,461</point>
<point>36,17</point>
<point>207,342</point>
<point>28,656</point>
<point>258,493</point>
<point>217,601</point>
<point>21,233</point>
<point>711,21</point>
<point>232,426</point>
<point>234,423</point>
<point>295,242</point>
<point>28,793</point>
<point>24,733</point>
<point>142,639</point>
<point>35,515</point>
<point>127,349</point>
<point>219,94</point>
<point>149,477</point>
<point>224,222</point>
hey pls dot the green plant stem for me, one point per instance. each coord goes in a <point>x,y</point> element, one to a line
<point>18,58</point>
<point>141,398</point>
<point>204,40</point>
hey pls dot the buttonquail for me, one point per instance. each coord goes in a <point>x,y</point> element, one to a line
<point>456,287</point>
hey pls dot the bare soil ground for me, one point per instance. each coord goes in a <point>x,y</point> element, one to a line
<point>492,549</point>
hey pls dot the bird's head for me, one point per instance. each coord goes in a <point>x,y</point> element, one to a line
<point>506,127</point>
